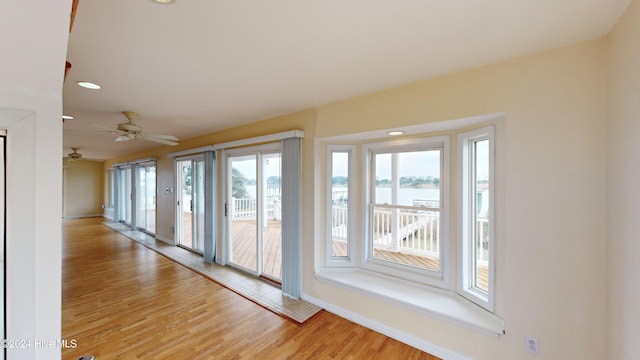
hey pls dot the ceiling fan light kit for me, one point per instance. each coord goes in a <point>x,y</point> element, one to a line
<point>129,130</point>
<point>89,85</point>
<point>73,156</point>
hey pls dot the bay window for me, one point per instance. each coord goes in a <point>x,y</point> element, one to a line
<point>406,217</point>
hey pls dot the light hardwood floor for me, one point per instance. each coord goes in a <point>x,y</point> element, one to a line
<point>122,300</point>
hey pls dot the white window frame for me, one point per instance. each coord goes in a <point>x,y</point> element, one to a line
<point>466,217</point>
<point>441,277</point>
<point>351,218</point>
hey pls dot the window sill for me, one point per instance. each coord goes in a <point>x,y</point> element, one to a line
<point>438,304</point>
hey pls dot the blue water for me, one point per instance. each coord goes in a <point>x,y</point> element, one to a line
<point>406,196</point>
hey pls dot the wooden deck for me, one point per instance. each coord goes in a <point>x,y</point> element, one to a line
<point>244,246</point>
<point>339,248</point>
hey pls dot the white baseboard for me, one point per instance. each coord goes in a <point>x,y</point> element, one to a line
<point>164,239</point>
<point>393,333</point>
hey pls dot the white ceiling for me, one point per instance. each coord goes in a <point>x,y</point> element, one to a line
<point>196,66</point>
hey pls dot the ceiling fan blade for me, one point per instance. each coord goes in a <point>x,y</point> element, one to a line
<point>165,137</point>
<point>105,128</point>
<point>151,137</point>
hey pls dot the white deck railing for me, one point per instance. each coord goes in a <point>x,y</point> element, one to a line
<point>418,232</point>
<point>245,209</point>
<point>407,231</point>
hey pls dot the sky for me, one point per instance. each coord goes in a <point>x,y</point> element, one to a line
<point>417,163</point>
<point>247,165</point>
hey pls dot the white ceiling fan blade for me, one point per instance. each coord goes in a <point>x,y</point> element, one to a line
<point>152,137</point>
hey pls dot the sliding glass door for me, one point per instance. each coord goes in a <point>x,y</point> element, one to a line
<point>254,211</point>
<point>191,203</point>
<point>134,195</point>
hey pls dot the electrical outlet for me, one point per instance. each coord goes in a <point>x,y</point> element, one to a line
<point>532,345</point>
<point>172,229</point>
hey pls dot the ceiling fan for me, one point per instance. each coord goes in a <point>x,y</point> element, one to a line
<point>129,130</point>
<point>75,155</point>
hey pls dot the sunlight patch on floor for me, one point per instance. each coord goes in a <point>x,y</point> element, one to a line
<point>254,289</point>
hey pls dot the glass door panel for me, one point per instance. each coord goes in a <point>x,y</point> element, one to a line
<point>146,194</point>
<point>124,195</point>
<point>191,204</point>
<point>151,199</point>
<point>243,212</point>
<point>197,207</point>
<point>271,225</point>
<point>184,204</point>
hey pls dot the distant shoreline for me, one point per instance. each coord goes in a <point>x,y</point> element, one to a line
<point>423,186</point>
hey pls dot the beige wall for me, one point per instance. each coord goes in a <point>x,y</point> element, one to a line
<point>551,257</point>
<point>84,188</point>
<point>623,310</point>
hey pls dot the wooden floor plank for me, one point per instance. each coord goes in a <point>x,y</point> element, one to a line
<point>124,301</point>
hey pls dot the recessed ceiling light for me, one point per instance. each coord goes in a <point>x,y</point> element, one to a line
<point>67,117</point>
<point>89,85</point>
<point>395,133</point>
<point>163,1</point>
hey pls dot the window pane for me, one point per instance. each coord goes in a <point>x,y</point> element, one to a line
<point>383,179</point>
<point>481,207</point>
<point>243,212</point>
<point>272,207</point>
<point>197,211</point>
<point>407,237</point>
<point>402,230</point>
<point>339,204</point>
<point>419,176</point>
